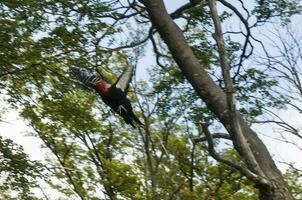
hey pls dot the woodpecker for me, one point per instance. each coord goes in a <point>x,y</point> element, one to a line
<point>112,95</point>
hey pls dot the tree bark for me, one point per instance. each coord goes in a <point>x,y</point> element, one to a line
<point>215,98</point>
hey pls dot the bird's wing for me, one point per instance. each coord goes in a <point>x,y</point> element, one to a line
<point>86,78</point>
<point>124,79</point>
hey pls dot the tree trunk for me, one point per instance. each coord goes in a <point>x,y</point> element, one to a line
<point>214,97</point>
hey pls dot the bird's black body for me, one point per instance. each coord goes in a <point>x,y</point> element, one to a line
<point>113,95</point>
<point>117,100</point>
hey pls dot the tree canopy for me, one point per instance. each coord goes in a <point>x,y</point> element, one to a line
<point>203,79</point>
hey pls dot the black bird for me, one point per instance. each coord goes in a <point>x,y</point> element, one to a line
<point>113,95</point>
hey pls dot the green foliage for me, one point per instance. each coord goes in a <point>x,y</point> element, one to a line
<point>18,173</point>
<point>255,92</point>
<point>284,9</point>
<point>293,176</point>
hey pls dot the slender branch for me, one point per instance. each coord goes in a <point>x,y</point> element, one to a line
<point>282,124</point>
<point>247,36</point>
<point>235,129</point>
<point>214,136</point>
<point>291,166</point>
<point>178,13</point>
<point>7,73</point>
<point>244,170</point>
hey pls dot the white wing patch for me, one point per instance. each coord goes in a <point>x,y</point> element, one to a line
<point>124,79</point>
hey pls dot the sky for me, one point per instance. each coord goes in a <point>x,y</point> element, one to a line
<point>15,128</point>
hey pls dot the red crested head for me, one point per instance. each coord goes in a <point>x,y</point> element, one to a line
<point>102,87</point>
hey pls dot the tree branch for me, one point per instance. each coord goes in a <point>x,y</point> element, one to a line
<point>178,12</point>
<point>244,170</point>
<point>236,131</point>
<point>209,91</point>
<point>247,36</point>
<point>214,136</point>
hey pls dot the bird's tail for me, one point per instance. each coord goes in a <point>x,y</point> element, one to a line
<point>130,118</point>
<point>137,121</point>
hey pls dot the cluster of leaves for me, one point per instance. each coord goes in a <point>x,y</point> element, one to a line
<point>18,173</point>
<point>284,9</point>
<point>256,93</point>
<point>293,177</point>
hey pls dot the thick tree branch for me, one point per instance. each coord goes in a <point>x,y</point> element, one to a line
<point>212,94</point>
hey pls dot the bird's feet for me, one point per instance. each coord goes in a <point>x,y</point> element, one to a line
<point>120,108</point>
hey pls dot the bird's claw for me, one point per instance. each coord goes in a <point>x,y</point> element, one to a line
<point>120,108</point>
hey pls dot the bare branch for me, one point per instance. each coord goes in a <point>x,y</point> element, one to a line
<point>247,35</point>
<point>244,170</point>
<point>214,136</point>
<point>178,13</point>
<point>236,131</point>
